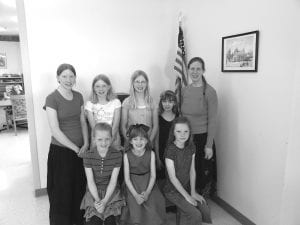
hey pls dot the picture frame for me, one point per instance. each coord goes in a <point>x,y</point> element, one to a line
<point>3,61</point>
<point>240,52</point>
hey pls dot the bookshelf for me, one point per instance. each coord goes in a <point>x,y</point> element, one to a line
<point>8,81</point>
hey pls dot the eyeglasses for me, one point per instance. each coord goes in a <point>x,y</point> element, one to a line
<point>140,82</point>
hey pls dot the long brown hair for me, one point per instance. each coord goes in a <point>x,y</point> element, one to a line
<point>110,93</point>
<point>180,120</point>
<point>147,97</point>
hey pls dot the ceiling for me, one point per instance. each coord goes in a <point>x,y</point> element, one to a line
<point>8,18</point>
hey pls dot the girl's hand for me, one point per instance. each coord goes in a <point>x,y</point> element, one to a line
<point>208,153</point>
<point>145,195</point>
<point>102,205</point>
<point>98,206</point>
<point>191,200</point>
<point>159,164</point>
<point>82,150</point>
<point>139,199</point>
<point>199,198</point>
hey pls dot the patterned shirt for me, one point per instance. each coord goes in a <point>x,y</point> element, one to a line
<point>103,113</point>
<point>102,166</point>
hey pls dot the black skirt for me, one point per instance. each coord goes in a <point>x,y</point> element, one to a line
<point>206,170</point>
<point>66,184</point>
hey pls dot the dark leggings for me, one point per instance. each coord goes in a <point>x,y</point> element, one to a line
<point>111,220</point>
<point>66,184</point>
<point>206,170</point>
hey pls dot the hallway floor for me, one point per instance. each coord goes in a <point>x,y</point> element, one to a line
<point>19,206</point>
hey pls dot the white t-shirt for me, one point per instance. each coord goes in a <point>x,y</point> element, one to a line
<point>103,113</point>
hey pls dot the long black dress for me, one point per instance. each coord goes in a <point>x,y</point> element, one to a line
<point>164,129</point>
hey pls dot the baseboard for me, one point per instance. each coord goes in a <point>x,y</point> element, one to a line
<point>232,211</point>
<point>40,192</point>
<point>224,205</point>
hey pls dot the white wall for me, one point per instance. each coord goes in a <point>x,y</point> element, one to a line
<point>112,37</point>
<point>116,37</point>
<point>255,108</point>
<point>291,191</point>
<point>13,56</point>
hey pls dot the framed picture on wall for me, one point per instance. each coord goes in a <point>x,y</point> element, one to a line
<point>3,62</point>
<point>240,52</point>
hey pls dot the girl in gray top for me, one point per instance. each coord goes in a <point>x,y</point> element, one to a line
<point>65,175</point>
<point>199,105</point>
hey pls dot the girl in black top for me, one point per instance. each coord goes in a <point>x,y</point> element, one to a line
<point>168,111</point>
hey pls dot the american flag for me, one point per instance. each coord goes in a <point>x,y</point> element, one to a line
<point>180,68</point>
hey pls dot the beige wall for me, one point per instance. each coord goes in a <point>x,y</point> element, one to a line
<point>255,108</point>
<point>256,139</point>
<point>111,37</point>
<point>291,191</point>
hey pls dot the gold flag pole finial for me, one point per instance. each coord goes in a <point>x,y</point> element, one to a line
<point>180,17</point>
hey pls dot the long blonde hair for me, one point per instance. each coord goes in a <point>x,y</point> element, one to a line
<point>110,93</point>
<point>132,97</point>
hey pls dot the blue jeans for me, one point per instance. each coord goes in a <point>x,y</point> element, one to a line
<point>190,215</point>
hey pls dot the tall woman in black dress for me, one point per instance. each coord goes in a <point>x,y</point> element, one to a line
<point>66,180</point>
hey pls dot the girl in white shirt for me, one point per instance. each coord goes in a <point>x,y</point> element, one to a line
<point>103,106</point>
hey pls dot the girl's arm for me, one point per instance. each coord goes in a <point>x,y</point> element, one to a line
<point>56,131</point>
<point>194,194</point>
<point>91,119</point>
<point>156,148</point>
<point>212,102</point>
<point>91,183</point>
<point>112,185</point>
<point>124,121</point>
<point>176,182</point>
<point>127,176</point>
<point>155,124</point>
<point>152,177</point>
<point>116,123</point>
<point>138,197</point>
<point>193,176</point>
<point>84,129</point>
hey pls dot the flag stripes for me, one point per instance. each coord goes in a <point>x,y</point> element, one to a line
<point>180,67</point>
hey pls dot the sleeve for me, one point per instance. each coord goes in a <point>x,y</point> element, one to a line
<point>117,103</point>
<point>51,102</point>
<point>170,153</point>
<point>212,117</point>
<point>126,103</point>
<point>119,159</point>
<point>88,106</point>
<point>87,160</point>
<point>154,104</point>
<point>81,99</point>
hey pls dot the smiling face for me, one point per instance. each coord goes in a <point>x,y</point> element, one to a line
<point>140,84</point>
<point>102,139</point>
<point>181,133</point>
<point>167,105</point>
<point>196,71</point>
<point>101,88</point>
<point>66,79</point>
<point>139,143</point>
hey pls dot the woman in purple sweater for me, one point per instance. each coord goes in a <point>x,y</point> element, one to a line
<point>199,105</point>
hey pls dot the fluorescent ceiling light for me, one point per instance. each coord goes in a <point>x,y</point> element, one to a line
<point>2,28</point>
<point>9,3</point>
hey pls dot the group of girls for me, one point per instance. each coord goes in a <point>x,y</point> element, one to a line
<point>97,196</point>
